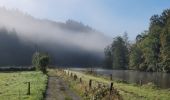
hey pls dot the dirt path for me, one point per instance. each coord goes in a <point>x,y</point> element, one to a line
<point>58,90</point>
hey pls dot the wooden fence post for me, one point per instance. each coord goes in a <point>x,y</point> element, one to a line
<point>80,80</point>
<point>90,84</point>
<point>111,87</point>
<point>75,77</point>
<point>28,91</point>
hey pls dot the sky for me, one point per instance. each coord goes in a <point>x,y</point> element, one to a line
<point>112,17</point>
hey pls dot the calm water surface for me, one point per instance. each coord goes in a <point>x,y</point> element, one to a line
<point>159,78</point>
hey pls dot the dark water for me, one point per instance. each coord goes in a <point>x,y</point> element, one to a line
<point>158,78</point>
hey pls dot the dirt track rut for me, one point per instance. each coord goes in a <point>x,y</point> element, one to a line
<point>57,89</point>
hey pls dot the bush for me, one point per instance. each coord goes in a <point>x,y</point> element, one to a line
<point>40,61</point>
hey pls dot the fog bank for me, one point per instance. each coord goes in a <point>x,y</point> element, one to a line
<point>69,43</point>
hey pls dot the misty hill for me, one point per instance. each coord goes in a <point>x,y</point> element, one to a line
<point>74,26</point>
<point>69,44</point>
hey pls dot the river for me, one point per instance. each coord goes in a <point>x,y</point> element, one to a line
<point>158,78</point>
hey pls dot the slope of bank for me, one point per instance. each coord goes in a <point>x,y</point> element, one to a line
<point>130,91</point>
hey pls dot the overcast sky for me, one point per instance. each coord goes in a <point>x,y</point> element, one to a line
<point>112,17</point>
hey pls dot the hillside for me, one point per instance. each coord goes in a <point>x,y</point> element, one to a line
<point>68,43</point>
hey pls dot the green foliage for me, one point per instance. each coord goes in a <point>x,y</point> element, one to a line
<point>152,50</point>
<point>117,54</point>
<point>108,57</point>
<point>35,60</point>
<point>165,50</point>
<point>135,58</point>
<point>40,61</point>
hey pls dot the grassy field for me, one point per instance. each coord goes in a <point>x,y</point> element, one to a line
<point>13,85</point>
<point>130,91</point>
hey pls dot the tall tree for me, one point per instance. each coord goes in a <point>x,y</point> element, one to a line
<point>108,58</point>
<point>154,45</point>
<point>40,61</point>
<point>119,53</point>
<point>165,41</point>
<point>135,58</point>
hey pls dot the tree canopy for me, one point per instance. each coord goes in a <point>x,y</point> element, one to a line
<point>40,61</point>
<point>150,52</point>
<point>117,54</point>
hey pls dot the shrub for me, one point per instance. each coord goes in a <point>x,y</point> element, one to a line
<point>40,61</point>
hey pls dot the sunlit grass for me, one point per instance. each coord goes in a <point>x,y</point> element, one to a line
<point>13,85</point>
<point>131,91</point>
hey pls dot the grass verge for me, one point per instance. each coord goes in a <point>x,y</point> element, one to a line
<point>14,87</point>
<point>130,91</point>
<point>127,91</point>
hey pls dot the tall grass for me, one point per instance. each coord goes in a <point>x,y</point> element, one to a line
<point>131,91</point>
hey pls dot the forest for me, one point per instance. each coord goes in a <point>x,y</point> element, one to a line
<point>150,51</point>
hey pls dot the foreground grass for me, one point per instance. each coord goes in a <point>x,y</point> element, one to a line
<point>82,87</point>
<point>130,91</point>
<point>13,85</point>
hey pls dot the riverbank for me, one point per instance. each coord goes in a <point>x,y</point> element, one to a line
<point>130,91</point>
<point>96,91</point>
<point>160,79</point>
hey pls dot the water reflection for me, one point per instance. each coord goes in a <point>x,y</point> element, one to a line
<point>160,79</point>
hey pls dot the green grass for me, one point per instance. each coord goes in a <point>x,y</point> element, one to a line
<point>131,91</point>
<point>81,88</point>
<point>13,86</point>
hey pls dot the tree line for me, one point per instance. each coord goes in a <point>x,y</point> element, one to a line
<point>18,51</point>
<point>150,52</point>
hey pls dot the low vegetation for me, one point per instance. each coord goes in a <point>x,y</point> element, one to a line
<point>14,85</point>
<point>88,91</point>
<point>126,91</point>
